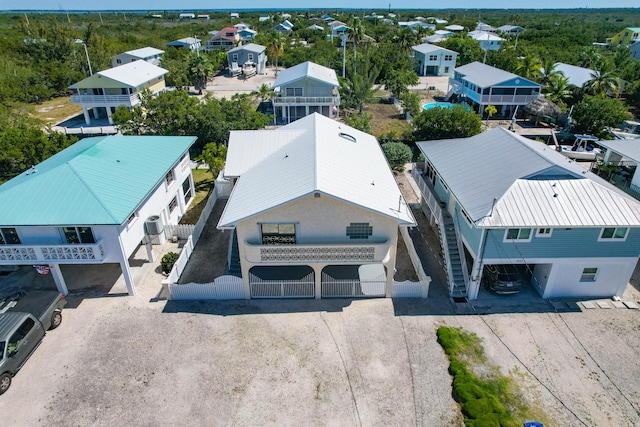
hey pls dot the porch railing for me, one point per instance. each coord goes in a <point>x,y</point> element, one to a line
<point>316,100</point>
<point>305,253</point>
<point>62,254</point>
<point>101,100</point>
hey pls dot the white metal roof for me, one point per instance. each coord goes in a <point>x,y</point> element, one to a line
<point>428,47</point>
<point>577,75</point>
<point>306,69</point>
<point>562,203</point>
<point>322,156</point>
<point>454,27</point>
<point>625,147</point>
<point>485,167</point>
<point>484,35</point>
<point>251,47</point>
<point>484,75</point>
<point>145,52</point>
<point>131,74</point>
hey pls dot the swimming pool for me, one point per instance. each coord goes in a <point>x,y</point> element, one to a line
<point>443,105</point>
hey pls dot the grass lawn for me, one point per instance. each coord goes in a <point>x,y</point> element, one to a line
<point>55,110</point>
<point>386,118</point>
<point>203,183</point>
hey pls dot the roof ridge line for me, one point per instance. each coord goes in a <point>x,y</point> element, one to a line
<point>88,187</point>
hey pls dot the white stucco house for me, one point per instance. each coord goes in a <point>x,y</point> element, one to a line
<point>487,40</point>
<point>96,202</point>
<point>149,54</point>
<point>432,60</point>
<point>315,211</point>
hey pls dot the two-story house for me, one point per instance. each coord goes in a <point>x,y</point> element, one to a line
<point>487,40</point>
<point>106,90</point>
<point>149,54</point>
<point>315,211</point>
<point>481,85</point>
<point>626,37</point>
<point>225,39</point>
<point>191,43</point>
<point>509,200</point>
<point>96,202</point>
<point>431,60</point>
<point>248,55</point>
<point>304,89</point>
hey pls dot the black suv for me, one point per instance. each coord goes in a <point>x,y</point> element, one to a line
<point>503,278</point>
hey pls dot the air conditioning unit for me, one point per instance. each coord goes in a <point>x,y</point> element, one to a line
<point>153,225</point>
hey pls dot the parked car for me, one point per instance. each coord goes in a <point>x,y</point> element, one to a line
<point>24,319</point>
<point>503,278</point>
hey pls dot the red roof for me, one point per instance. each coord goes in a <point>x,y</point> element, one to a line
<point>223,34</point>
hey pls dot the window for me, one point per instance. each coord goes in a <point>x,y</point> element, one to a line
<point>278,234</point>
<point>18,336</point>
<point>589,274</point>
<point>518,234</point>
<point>467,217</point>
<point>433,57</point>
<point>235,57</point>
<point>293,91</point>
<point>186,190</point>
<point>77,235</point>
<point>172,204</point>
<point>118,61</point>
<point>448,57</point>
<point>444,185</point>
<point>446,70</point>
<point>250,57</point>
<point>610,234</point>
<point>169,178</point>
<point>131,218</point>
<point>359,230</point>
<point>9,236</point>
<point>543,232</point>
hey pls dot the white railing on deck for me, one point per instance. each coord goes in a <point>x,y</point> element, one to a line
<point>317,100</point>
<point>63,254</point>
<point>87,99</point>
<point>428,198</point>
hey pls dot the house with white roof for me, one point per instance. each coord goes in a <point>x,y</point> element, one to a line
<point>149,54</point>
<point>480,85</point>
<point>510,29</point>
<point>577,76</point>
<point>432,60</point>
<point>508,200</point>
<point>328,227</point>
<point>454,28</point>
<point>487,40</point>
<point>106,90</point>
<point>305,89</point>
<point>251,54</point>
<point>96,202</point>
<point>191,43</point>
<point>284,27</point>
<point>481,26</point>
<point>437,37</point>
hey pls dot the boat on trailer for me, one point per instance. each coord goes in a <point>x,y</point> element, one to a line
<point>583,148</point>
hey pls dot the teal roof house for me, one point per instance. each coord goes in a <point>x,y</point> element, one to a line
<point>96,202</point>
<point>509,201</point>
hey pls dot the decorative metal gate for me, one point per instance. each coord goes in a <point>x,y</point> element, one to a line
<point>299,288</point>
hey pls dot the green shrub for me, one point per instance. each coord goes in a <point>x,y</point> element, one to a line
<point>167,261</point>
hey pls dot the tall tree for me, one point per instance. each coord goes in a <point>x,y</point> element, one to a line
<point>603,80</point>
<point>593,115</point>
<point>200,69</point>
<point>276,45</point>
<point>529,67</point>
<point>558,90</point>
<point>548,71</point>
<point>445,123</point>
<point>358,89</point>
<point>356,35</point>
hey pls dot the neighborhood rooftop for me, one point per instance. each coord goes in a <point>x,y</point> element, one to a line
<point>131,74</point>
<point>145,52</point>
<point>322,156</point>
<point>306,69</point>
<point>485,75</point>
<point>251,47</point>
<point>428,47</point>
<point>96,181</point>
<point>531,184</point>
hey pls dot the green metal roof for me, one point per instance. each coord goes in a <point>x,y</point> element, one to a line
<point>96,181</point>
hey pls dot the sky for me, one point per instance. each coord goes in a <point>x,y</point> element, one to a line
<point>318,4</point>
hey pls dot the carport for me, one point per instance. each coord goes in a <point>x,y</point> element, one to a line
<point>352,281</point>
<point>296,281</point>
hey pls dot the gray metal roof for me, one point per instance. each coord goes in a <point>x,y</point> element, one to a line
<point>625,147</point>
<point>577,75</point>
<point>428,48</point>
<point>251,47</point>
<point>484,75</point>
<point>145,52</point>
<point>519,174</point>
<point>321,156</point>
<point>307,70</point>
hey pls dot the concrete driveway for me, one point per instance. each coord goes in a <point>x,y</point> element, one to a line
<point>146,361</point>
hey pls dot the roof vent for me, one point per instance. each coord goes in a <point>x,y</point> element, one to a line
<point>347,136</point>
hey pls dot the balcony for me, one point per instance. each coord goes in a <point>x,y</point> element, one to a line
<point>306,100</point>
<point>46,254</point>
<point>365,252</point>
<point>105,100</point>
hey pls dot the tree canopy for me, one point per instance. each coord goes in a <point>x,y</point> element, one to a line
<point>593,115</point>
<point>445,123</point>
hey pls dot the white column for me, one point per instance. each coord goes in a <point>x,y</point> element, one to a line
<point>109,115</point>
<point>85,111</point>
<point>126,269</point>
<point>95,113</point>
<point>317,273</point>
<point>151,257</point>
<point>58,279</point>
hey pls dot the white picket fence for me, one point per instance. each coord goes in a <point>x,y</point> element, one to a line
<point>406,289</point>
<point>224,287</point>
<point>403,289</point>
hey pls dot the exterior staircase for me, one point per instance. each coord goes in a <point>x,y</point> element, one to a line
<point>233,267</point>
<point>457,284</point>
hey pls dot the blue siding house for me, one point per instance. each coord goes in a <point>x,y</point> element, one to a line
<point>499,198</point>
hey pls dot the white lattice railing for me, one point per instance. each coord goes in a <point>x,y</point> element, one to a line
<point>72,254</point>
<point>301,253</point>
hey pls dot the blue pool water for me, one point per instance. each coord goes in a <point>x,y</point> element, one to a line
<point>443,105</point>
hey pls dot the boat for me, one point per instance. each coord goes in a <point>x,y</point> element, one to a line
<point>583,148</point>
<point>627,130</point>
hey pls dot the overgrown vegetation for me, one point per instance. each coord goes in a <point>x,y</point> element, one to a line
<point>487,400</point>
<point>167,261</point>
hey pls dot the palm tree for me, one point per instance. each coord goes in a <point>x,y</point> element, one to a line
<point>405,39</point>
<point>263,93</point>
<point>359,89</point>
<point>558,90</point>
<point>356,33</point>
<point>200,69</point>
<point>529,67</point>
<point>548,71</point>
<point>276,45</point>
<point>602,81</point>
<point>589,57</point>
